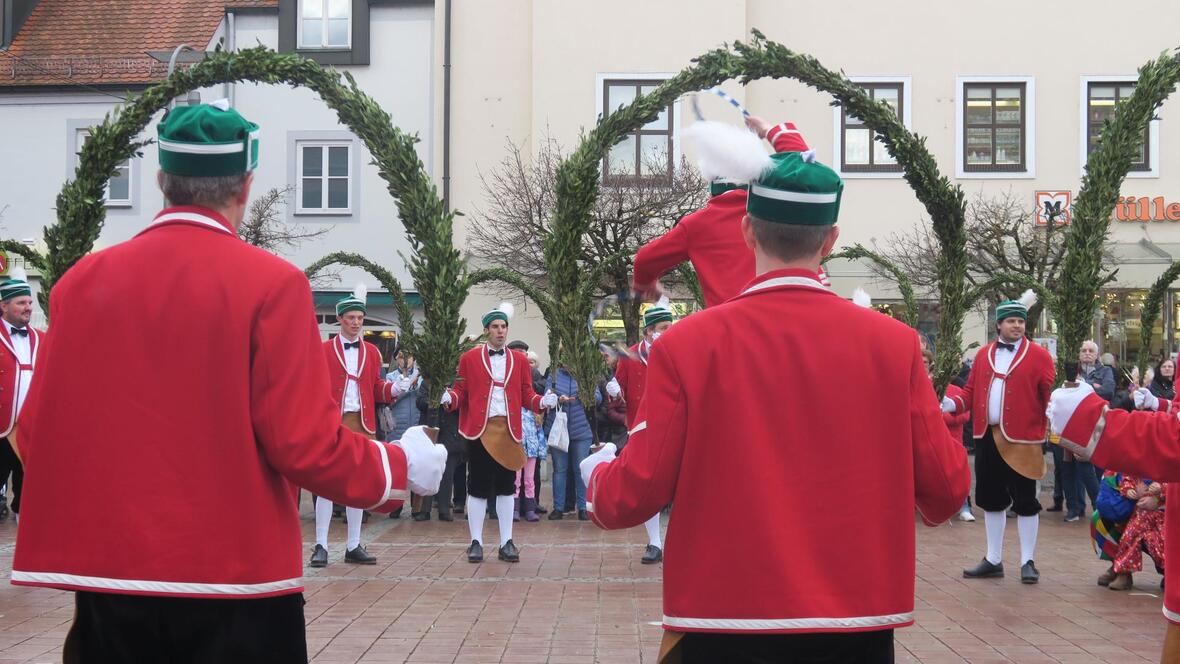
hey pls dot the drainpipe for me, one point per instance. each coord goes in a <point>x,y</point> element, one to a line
<point>231,45</point>
<point>446,138</point>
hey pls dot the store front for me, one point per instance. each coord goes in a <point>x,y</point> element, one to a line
<point>380,328</point>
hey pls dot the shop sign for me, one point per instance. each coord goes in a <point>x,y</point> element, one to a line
<point>1053,206</point>
<point>1145,209</point>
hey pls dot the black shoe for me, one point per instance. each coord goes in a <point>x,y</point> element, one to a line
<point>457,509</point>
<point>555,515</point>
<point>652,555</point>
<point>475,552</point>
<point>359,556</point>
<point>1029,573</point>
<point>541,509</point>
<point>422,516</point>
<point>492,513</point>
<point>396,514</point>
<point>985,570</point>
<point>508,552</point>
<point>3,510</point>
<point>1056,506</point>
<point>583,516</point>
<point>319,557</point>
<point>445,517</point>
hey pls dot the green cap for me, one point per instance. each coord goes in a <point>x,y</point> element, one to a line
<point>796,190</point>
<point>721,185</point>
<point>1011,309</point>
<point>356,301</point>
<point>656,314</point>
<point>207,140</point>
<point>502,312</point>
<point>11,288</point>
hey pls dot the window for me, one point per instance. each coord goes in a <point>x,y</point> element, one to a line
<point>994,127</point>
<point>861,152</point>
<point>1101,99</point>
<point>325,177</point>
<point>646,154</point>
<point>325,24</point>
<point>118,191</point>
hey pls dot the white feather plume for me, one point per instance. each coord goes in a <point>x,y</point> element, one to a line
<point>727,151</point>
<point>1027,299</point>
<point>507,308</point>
<point>360,292</point>
<point>17,272</point>
<point>861,298</point>
<point>664,302</point>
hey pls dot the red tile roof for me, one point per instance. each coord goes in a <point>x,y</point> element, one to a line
<point>96,42</point>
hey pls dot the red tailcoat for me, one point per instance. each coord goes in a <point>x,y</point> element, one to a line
<point>198,400</point>
<point>473,391</point>
<point>784,422</point>
<point>631,375</point>
<point>1143,443</point>
<point>1029,381</point>
<point>711,238</point>
<point>10,373</point>
<point>371,387</point>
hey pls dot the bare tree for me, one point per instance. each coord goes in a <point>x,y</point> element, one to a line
<point>265,226</point>
<point>520,195</point>
<point>1002,238</point>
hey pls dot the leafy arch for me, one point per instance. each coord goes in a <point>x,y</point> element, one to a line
<point>436,266</point>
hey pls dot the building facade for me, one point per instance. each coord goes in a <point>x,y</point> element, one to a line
<point>1008,106</point>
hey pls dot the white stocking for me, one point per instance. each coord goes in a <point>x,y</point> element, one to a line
<point>994,523</point>
<point>477,511</point>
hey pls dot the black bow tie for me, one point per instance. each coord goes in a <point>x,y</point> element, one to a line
<point>23,331</point>
<point>496,352</point>
<point>1005,346</point>
<point>355,344</point>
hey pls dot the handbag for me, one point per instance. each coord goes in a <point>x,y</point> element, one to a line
<point>559,434</point>
<point>385,419</point>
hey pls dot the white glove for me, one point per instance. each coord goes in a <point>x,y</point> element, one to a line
<point>549,400</point>
<point>403,385</point>
<point>1145,400</point>
<point>612,389</point>
<point>425,461</point>
<point>446,399</point>
<point>605,455</point>
<point>1062,404</point>
<point>948,405</point>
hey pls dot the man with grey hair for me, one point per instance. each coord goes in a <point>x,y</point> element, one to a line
<point>211,405</point>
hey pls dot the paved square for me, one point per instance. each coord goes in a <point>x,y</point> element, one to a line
<point>580,596</point>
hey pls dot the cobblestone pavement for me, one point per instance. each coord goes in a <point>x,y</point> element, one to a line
<point>580,595</point>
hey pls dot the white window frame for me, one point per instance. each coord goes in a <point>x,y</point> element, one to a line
<point>1153,128</point>
<point>1030,129</point>
<point>837,115</point>
<point>299,45</point>
<point>81,134</point>
<point>600,80</point>
<point>324,177</point>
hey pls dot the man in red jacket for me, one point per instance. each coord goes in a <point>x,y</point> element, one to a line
<point>21,346</point>
<point>1141,443</point>
<point>1006,393</point>
<point>354,368</point>
<point>209,418</point>
<point>818,576</point>
<point>494,383</point>
<point>629,383</point>
<point>711,238</point>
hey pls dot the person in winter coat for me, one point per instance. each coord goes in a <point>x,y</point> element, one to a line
<point>447,424</point>
<point>1162,383</point>
<point>580,438</point>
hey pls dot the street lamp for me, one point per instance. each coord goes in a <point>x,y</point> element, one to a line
<point>190,54</point>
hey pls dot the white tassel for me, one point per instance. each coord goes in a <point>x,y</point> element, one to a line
<point>17,272</point>
<point>727,151</point>
<point>507,308</point>
<point>1027,299</point>
<point>360,292</point>
<point>861,299</point>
